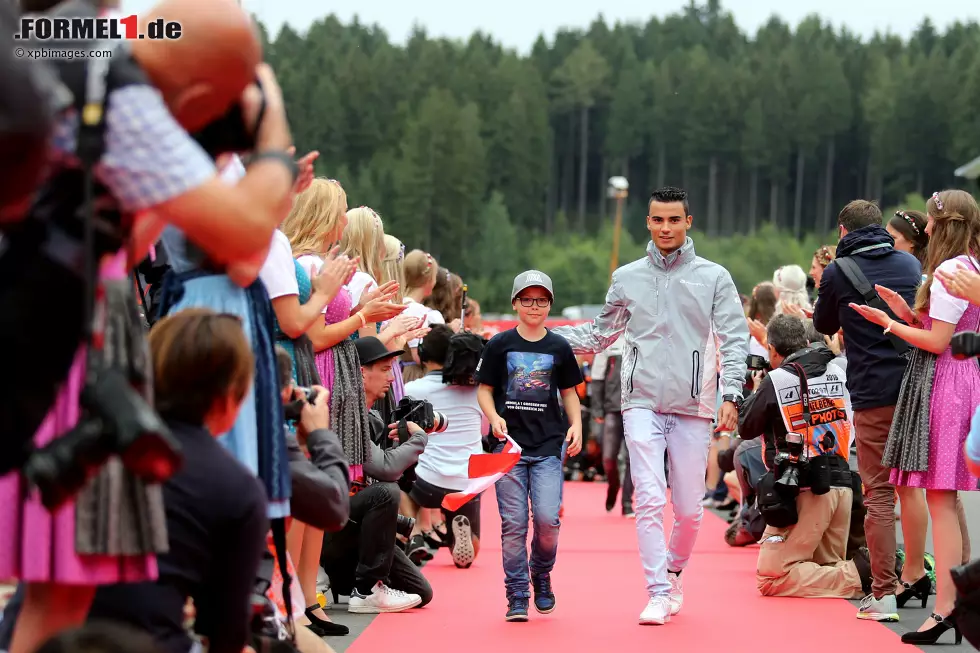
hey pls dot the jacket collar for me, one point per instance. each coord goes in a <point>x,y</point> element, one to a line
<point>675,259</point>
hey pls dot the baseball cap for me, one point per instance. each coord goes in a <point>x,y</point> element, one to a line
<point>532,279</point>
<point>370,350</point>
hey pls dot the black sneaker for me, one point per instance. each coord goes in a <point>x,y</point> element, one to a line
<point>628,511</point>
<point>417,551</point>
<point>544,598</point>
<point>862,560</point>
<point>516,608</point>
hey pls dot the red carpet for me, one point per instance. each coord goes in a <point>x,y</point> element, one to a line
<point>599,585</point>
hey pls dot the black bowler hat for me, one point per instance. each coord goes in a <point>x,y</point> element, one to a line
<point>370,350</point>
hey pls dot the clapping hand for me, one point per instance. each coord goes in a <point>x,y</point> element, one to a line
<point>333,274</point>
<point>305,176</point>
<point>389,289</point>
<point>871,314</point>
<point>897,304</point>
<point>757,330</point>
<point>382,309</point>
<point>962,283</point>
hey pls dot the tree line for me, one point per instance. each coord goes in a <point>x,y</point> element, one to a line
<point>485,157</point>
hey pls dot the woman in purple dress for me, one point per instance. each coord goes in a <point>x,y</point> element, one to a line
<point>939,393</point>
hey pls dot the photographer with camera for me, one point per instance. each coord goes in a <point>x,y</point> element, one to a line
<point>802,409</point>
<point>132,156</point>
<point>320,487</point>
<point>450,361</point>
<point>364,559</point>
<point>215,508</point>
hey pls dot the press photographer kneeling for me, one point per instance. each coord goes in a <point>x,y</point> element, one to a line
<point>363,559</point>
<point>802,409</point>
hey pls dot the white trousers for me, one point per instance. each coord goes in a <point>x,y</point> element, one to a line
<point>686,439</point>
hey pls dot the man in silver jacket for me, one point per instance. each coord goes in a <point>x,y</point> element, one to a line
<point>676,311</point>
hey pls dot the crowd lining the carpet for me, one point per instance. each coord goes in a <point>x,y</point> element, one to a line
<point>284,338</point>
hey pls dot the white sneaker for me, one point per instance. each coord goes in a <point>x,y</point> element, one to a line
<point>676,592</point>
<point>382,599</point>
<point>657,612</point>
<point>463,551</point>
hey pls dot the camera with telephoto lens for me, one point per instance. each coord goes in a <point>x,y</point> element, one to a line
<point>789,465</point>
<point>420,412</point>
<point>965,345</point>
<point>229,133</point>
<point>118,421</point>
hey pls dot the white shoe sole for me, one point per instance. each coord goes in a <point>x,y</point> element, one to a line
<point>463,552</point>
<point>373,609</point>
<point>654,622</point>
<point>879,617</point>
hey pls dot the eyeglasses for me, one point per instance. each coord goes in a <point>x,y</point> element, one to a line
<point>528,302</point>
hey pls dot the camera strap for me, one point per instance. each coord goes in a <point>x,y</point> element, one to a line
<point>279,543</point>
<point>805,401</point>
<point>91,106</point>
<point>870,295</point>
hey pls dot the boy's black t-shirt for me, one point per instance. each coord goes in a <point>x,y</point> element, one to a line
<point>526,378</point>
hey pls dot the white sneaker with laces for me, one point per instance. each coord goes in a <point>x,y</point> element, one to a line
<point>657,612</point>
<point>382,599</point>
<point>676,592</point>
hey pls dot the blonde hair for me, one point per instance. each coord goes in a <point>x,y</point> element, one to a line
<point>315,215</point>
<point>364,236</point>
<point>420,270</point>
<point>790,282</point>
<point>393,265</point>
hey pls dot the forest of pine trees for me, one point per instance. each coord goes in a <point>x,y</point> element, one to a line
<point>492,160</point>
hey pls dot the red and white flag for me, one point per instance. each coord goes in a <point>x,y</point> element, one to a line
<point>485,470</point>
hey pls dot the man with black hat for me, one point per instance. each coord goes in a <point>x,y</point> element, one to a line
<point>364,558</point>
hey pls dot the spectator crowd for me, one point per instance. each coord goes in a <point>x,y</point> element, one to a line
<point>250,401</point>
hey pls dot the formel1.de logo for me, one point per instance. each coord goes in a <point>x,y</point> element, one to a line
<point>47,28</point>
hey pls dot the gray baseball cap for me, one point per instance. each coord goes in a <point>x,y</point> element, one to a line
<point>532,279</point>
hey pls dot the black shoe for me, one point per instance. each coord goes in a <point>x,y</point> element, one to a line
<point>516,608</point>
<point>611,493</point>
<point>324,628</point>
<point>417,551</point>
<point>544,597</point>
<point>433,540</point>
<point>862,560</point>
<point>628,511</point>
<point>931,636</point>
<point>920,589</point>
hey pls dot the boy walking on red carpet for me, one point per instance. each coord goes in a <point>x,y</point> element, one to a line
<point>521,374</point>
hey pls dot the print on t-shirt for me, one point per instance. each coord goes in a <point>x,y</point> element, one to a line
<point>529,380</point>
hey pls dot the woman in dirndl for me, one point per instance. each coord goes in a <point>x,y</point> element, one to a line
<point>938,397</point>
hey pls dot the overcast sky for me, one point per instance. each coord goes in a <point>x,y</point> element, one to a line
<point>517,23</point>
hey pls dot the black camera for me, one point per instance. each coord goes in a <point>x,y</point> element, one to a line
<point>757,363</point>
<point>118,421</point>
<point>966,578</point>
<point>405,526</point>
<point>965,345</point>
<point>301,396</point>
<point>789,465</point>
<point>420,412</point>
<point>229,133</point>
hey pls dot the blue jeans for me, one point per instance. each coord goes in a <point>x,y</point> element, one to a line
<point>541,479</point>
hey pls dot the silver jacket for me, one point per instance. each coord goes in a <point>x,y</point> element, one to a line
<point>676,313</point>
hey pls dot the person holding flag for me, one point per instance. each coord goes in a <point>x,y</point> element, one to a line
<point>527,378</point>
<point>676,311</point>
